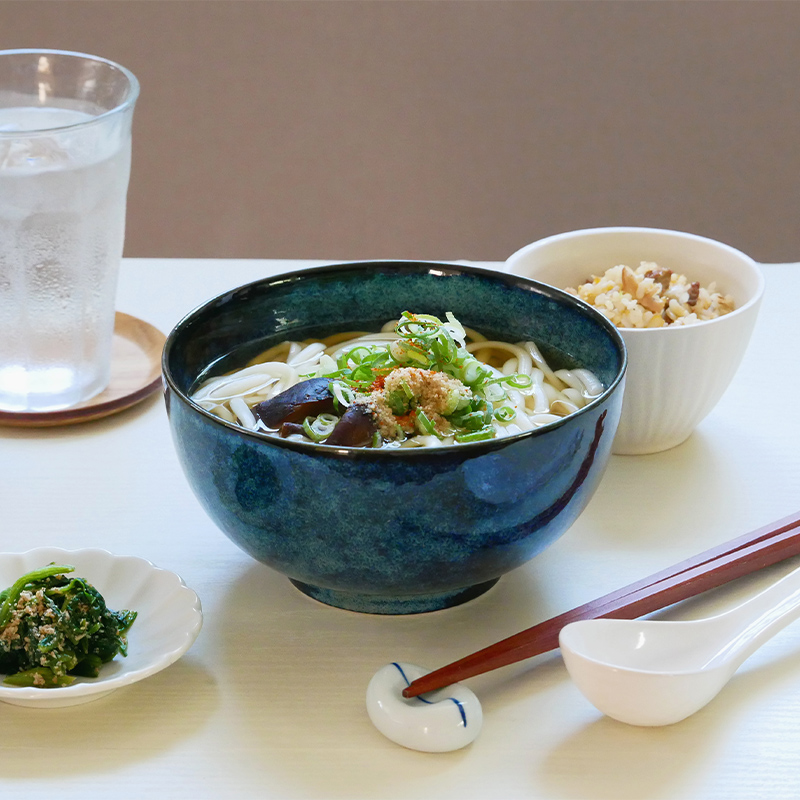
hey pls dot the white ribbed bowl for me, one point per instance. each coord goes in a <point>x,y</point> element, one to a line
<point>168,622</point>
<point>676,375</point>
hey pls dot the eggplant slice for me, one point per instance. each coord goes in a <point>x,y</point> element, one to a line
<point>305,399</point>
<point>356,428</point>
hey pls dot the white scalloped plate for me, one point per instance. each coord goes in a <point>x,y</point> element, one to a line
<point>168,622</point>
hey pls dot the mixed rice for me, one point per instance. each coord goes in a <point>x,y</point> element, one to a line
<point>651,297</point>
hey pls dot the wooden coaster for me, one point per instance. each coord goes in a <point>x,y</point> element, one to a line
<point>135,374</point>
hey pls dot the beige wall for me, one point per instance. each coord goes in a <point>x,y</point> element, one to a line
<point>445,130</point>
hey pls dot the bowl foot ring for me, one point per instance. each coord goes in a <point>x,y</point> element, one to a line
<point>380,604</point>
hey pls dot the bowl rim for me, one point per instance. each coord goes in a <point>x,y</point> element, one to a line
<point>670,330</point>
<point>380,453</point>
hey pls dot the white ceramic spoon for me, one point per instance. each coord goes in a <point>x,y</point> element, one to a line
<point>437,722</point>
<point>652,672</point>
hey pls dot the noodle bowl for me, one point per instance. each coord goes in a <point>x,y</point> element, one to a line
<point>394,529</point>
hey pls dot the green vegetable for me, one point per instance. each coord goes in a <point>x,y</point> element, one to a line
<point>54,627</point>
<point>319,428</point>
<point>425,425</point>
<point>505,414</point>
<point>475,436</point>
<point>398,401</point>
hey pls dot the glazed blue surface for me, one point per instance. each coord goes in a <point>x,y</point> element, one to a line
<point>392,531</point>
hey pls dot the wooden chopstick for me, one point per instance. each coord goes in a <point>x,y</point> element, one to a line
<point>707,570</point>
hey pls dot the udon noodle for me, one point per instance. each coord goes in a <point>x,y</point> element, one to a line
<point>418,382</point>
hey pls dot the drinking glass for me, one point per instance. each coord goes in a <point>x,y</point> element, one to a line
<point>65,152</point>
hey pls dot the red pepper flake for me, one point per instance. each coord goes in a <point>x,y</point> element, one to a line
<point>406,421</point>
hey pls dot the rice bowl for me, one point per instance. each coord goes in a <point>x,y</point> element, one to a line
<point>676,372</point>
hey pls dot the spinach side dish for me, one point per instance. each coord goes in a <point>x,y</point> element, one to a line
<point>54,628</point>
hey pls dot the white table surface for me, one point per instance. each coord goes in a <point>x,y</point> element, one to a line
<point>270,700</point>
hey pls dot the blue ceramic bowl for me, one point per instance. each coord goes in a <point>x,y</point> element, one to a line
<point>392,531</point>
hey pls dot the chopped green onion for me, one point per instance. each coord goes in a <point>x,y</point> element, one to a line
<point>455,328</point>
<point>520,381</point>
<point>505,414</point>
<point>327,366</point>
<point>417,325</point>
<point>443,347</point>
<point>406,352</point>
<point>426,424</point>
<point>319,428</point>
<point>343,395</point>
<point>494,392</point>
<point>516,381</point>
<point>474,372</point>
<point>362,374</point>
<point>474,420</point>
<point>397,402</point>
<point>476,436</point>
<point>309,431</point>
<point>358,354</point>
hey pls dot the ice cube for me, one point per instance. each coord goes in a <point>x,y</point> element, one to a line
<point>34,153</point>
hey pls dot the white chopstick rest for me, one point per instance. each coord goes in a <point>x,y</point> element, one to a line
<point>438,722</point>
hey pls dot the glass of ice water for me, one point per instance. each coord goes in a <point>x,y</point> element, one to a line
<point>65,152</point>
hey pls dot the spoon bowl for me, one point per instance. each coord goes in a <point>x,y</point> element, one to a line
<point>654,672</point>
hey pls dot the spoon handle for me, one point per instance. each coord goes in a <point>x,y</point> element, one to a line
<point>761,617</point>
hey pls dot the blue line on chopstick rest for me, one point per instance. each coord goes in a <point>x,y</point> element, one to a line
<point>458,703</point>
